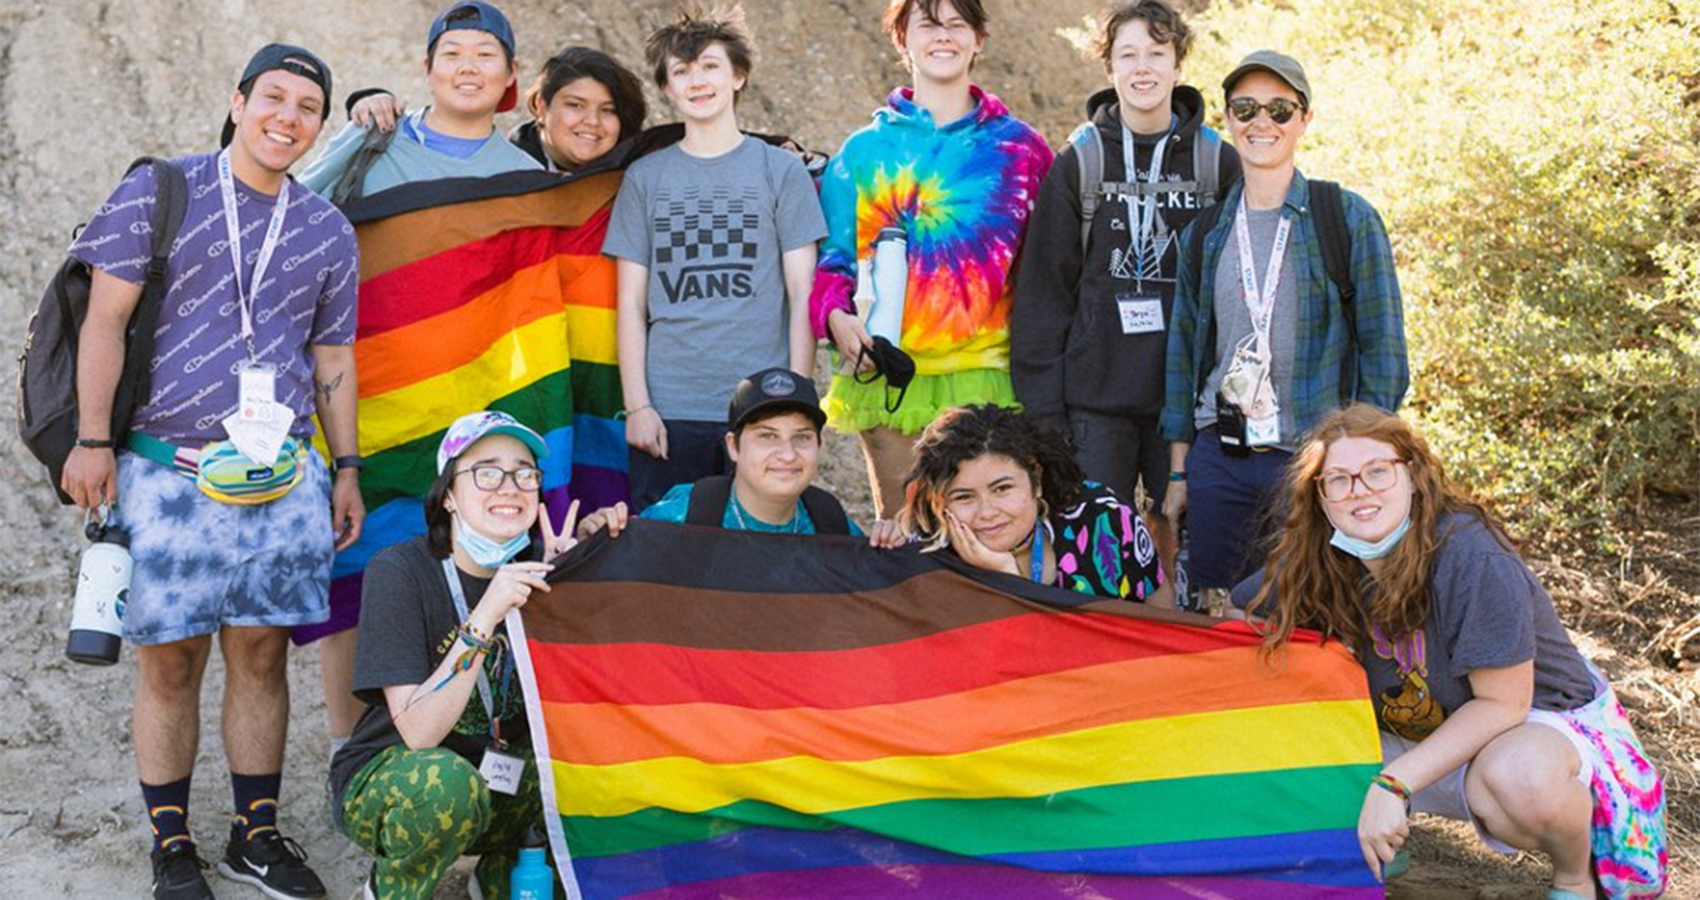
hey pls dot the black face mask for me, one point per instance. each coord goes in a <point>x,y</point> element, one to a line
<point>890,363</point>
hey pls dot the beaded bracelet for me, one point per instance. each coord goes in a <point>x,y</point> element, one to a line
<point>1395,787</point>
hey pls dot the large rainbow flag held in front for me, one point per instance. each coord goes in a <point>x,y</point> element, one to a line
<point>481,293</point>
<point>721,714</point>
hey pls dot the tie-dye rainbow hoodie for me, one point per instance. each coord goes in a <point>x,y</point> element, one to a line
<point>962,192</point>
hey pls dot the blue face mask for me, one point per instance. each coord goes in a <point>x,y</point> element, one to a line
<point>486,552</point>
<point>1364,549</point>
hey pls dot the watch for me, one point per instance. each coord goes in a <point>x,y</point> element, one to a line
<point>95,443</point>
<point>351,461</point>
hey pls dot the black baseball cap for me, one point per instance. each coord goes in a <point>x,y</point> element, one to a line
<point>290,58</point>
<point>774,390</point>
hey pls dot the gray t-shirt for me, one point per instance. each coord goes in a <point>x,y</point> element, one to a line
<point>307,298</point>
<point>1487,611</point>
<point>1233,319</point>
<point>712,232</point>
<point>407,625</point>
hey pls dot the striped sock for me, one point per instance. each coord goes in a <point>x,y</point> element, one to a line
<point>168,811</point>
<point>256,802</point>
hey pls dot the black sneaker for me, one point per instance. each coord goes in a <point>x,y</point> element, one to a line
<point>177,873</point>
<point>273,863</point>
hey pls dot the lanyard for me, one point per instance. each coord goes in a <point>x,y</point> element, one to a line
<point>1036,565</point>
<point>274,231</point>
<point>1261,304</point>
<point>1142,219</point>
<point>452,575</point>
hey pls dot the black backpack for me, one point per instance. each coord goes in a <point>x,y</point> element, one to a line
<point>1335,239</point>
<point>709,497</point>
<point>47,365</point>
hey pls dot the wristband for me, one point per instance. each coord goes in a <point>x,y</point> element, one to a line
<point>1177,476</point>
<point>95,443</point>
<point>352,461</point>
<point>1395,787</point>
<point>637,409</point>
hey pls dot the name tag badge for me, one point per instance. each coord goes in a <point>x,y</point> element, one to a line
<point>256,392</point>
<point>1140,313</point>
<point>502,771</point>
<point>1263,432</point>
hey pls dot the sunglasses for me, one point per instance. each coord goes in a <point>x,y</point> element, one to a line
<point>1280,109</point>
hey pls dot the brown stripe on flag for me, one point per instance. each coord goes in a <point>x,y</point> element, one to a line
<point>387,244</point>
<point>615,612</point>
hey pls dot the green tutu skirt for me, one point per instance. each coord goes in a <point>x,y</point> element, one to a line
<point>852,408</point>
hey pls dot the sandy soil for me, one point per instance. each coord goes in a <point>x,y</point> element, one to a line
<point>86,85</point>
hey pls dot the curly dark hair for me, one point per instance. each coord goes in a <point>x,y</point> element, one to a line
<point>573,63</point>
<point>968,432</point>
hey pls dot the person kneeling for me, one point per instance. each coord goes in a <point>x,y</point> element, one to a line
<point>773,442</point>
<point>441,764</point>
<point>1488,713</point>
<point>1004,494</point>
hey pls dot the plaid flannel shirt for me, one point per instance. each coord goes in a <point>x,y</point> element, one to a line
<point>1382,370</point>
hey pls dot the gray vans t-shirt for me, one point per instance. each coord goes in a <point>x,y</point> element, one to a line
<point>712,232</point>
<point>1233,320</point>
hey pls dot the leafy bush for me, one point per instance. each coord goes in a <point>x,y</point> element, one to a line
<point>1537,167</point>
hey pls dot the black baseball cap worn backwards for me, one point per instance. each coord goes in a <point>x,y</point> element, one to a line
<point>774,390</point>
<point>286,57</point>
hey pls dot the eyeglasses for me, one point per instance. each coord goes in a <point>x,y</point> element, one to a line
<point>1280,109</point>
<point>490,478</point>
<point>1377,476</point>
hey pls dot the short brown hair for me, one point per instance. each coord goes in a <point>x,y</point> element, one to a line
<point>1161,20</point>
<point>686,37</point>
<point>897,13</point>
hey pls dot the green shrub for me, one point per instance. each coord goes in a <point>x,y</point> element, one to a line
<point>1537,167</point>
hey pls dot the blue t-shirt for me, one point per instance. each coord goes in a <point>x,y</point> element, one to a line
<point>413,128</point>
<point>677,502</point>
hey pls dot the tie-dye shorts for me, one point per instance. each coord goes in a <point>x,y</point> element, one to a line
<point>199,565</point>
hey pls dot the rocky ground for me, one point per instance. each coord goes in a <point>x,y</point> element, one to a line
<point>85,86</point>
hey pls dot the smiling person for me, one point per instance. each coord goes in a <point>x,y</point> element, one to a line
<point>714,241</point>
<point>1003,493</point>
<point>1286,307</point>
<point>473,75</point>
<point>469,62</point>
<point>441,763</point>
<point>772,438</point>
<point>1488,713</point>
<point>259,313</point>
<point>947,175</point>
<point>1097,277</point>
<point>582,106</point>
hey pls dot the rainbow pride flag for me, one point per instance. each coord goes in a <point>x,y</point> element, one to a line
<point>481,293</point>
<point>722,714</point>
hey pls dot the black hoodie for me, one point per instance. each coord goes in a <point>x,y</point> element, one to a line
<point>1067,349</point>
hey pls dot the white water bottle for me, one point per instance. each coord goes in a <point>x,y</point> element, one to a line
<point>103,587</point>
<point>890,277</point>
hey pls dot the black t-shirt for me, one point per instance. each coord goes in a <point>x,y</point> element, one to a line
<point>407,625</point>
<point>1486,611</point>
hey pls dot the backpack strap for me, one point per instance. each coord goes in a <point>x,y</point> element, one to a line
<point>171,200</point>
<point>352,185</point>
<point>1089,157</point>
<point>1201,225</point>
<point>1335,238</point>
<point>708,501</point>
<point>1206,160</point>
<point>825,510</point>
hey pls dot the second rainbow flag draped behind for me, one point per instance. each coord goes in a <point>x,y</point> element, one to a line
<point>719,714</point>
<point>487,293</point>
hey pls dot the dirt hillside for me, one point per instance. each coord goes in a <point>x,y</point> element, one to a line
<point>86,85</point>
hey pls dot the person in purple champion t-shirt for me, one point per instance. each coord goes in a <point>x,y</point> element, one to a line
<point>260,304</point>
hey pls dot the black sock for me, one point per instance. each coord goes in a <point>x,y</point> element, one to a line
<point>256,802</point>
<point>168,811</point>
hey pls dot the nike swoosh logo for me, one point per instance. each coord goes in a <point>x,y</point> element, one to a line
<point>259,869</point>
